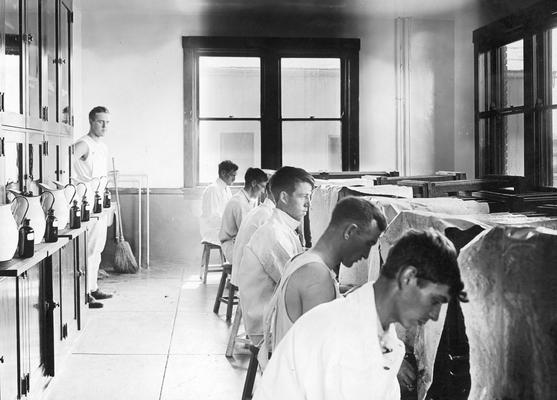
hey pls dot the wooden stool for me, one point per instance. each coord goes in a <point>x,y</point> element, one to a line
<point>252,371</point>
<point>231,299</point>
<point>206,256</point>
<point>234,337</point>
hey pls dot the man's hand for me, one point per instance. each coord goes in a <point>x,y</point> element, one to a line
<point>407,376</point>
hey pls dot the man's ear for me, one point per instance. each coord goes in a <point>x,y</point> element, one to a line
<point>407,276</point>
<point>349,231</point>
<point>283,197</point>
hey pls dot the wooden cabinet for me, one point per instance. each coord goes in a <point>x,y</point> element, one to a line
<point>8,339</point>
<point>11,162</point>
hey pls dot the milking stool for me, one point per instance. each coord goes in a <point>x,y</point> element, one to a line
<point>234,337</point>
<point>231,299</point>
<point>206,257</point>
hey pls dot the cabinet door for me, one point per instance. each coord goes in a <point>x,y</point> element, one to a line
<point>11,94</point>
<point>51,61</point>
<point>64,66</point>
<point>36,320</point>
<point>53,323</point>
<point>69,312</point>
<point>52,159</point>
<point>32,42</point>
<point>81,281</point>
<point>8,339</point>
<point>65,159</point>
<point>34,166</point>
<point>11,163</point>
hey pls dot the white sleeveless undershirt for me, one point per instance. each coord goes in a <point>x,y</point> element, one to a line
<point>95,165</point>
<point>281,323</point>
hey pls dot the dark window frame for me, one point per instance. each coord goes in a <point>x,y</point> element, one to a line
<point>532,25</point>
<point>271,50</point>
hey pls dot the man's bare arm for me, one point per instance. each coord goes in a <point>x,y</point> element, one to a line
<point>81,150</point>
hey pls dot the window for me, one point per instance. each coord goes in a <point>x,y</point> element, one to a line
<point>265,102</point>
<point>516,103</point>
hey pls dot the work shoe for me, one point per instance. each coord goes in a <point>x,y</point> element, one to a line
<point>94,303</point>
<point>98,295</point>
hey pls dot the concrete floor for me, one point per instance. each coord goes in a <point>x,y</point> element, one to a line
<point>156,339</point>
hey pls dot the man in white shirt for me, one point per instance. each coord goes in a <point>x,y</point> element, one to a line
<point>90,162</point>
<point>214,200</point>
<point>250,223</point>
<point>238,206</point>
<point>272,245</point>
<point>309,278</point>
<point>347,348</point>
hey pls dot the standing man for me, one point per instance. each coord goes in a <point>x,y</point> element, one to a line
<point>272,245</point>
<point>238,206</point>
<point>348,348</point>
<point>90,162</point>
<point>309,278</point>
<point>215,197</point>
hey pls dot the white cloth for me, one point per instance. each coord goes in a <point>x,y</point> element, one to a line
<point>238,206</point>
<point>277,321</point>
<point>87,171</point>
<point>262,263</point>
<point>251,221</point>
<point>214,200</point>
<point>334,352</point>
<point>96,164</point>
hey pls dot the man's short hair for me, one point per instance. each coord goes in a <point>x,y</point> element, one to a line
<point>226,167</point>
<point>357,210</point>
<point>432,254</point>
<point>96,110</point>
<point>286,178</point>
<point>255,175</point>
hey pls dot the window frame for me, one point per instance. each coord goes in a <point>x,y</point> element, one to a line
<point>532,25</point>
<point>270,51</point>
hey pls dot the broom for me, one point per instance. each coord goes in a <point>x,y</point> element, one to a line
<point>124,260</point>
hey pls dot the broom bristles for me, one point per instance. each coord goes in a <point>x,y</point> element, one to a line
<point>124,260</point>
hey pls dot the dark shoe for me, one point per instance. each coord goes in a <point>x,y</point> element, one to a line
<point>98,295</point>
<point>94,303</point>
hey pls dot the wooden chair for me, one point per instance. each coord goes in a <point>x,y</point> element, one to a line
<point>206,257</point>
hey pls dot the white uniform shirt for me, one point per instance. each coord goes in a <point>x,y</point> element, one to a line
<point>238,206</point>
<point>251,221</point>
<point>334,352</point>
<point>262,263</point>
<point>215,197</point>
<point>96,164</point>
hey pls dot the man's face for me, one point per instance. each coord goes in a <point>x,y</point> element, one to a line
<point>99,124</point>
<point>258,189</point>
<point>359,242</point>
<point>297,204</point>
<point>420,304</point>
<point>229,177</point>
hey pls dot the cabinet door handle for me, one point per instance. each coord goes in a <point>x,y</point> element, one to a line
<point>1,359</point>
<point>2,148</point>
<point>2,101</point>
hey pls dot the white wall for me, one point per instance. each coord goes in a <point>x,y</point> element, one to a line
<point>132,63</point>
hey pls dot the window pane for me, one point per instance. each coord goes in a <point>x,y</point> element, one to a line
<point>554,66</point>
<point>512,90</point>
<point>554,131</point>
<point>12,60</point>
<point>310,87</point>
<point>312,145</point>
<point>481,82</point>
<point>513,131</point>
<point>33,56</point>
<point>229,87</point>
<point>64,112</point>
<point>239,141</point>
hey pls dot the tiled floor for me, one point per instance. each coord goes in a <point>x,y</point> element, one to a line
<point>157,339</point>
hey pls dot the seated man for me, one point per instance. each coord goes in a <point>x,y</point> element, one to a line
<point>309,279</point>
<point>348,348</point>
<point>238,206</point>
<point>214,200</point>
<point>250,223</point>
<point>272,245</point>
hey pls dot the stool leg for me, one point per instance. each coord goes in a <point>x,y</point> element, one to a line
<point>234,332</point>
<point>207,260</point>
<point>250,376</point>
<point>220,291</point>
<point>230,302</point>
<point>202,262</point>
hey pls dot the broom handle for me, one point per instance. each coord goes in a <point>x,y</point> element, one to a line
<point>121,235</point>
